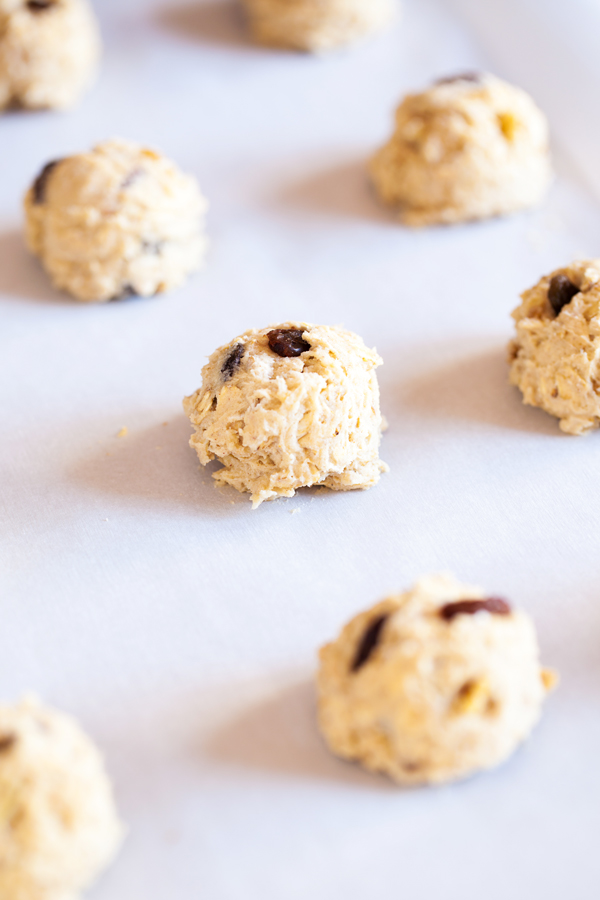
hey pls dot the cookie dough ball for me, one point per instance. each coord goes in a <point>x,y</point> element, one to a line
<point>290,406</point>
<point>117,221</point>
<point>316,25</point>
<point>555,356</point>
<point>470,147</point>
<point>432,685</point>
<point>58,823</point>
<point>49,52</point>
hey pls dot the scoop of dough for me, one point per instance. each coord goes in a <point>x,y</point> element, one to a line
<point>119,220</point>
<point>316,25</point>
<point>290,406</point>
<point>468,148</point>
<point>58,823</point>
<point>49,52</point>
<point>555,356</point>
<point>432,685</point>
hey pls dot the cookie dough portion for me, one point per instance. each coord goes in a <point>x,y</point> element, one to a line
<point>432,685</point>
<point>316,25</point>
<point>555,356</point>
<point>470,147</point>
<point>58,822</point>
<point>116,221</point>
<point>49,52</point>
<point>290,406</point>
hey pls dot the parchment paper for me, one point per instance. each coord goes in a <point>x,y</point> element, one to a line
<point>180,626</point>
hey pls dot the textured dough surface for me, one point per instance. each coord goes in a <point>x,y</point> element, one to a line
<point>118,220</point>
<point>48,56</point>
<point>464,149</point>
<point>58,823</point>
<point>278,424</point>
<point>436,700</point>
<point>555,359</point>
<point>316,25</point>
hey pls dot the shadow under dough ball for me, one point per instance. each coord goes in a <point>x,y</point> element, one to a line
<point>290,406</point>
<point>316,25</point>
<point>432,685</point>
<point>49,52</point>
<point>59,826</point>
<point>119,220</point>
<point>469,147</point>
<point>555,355</point>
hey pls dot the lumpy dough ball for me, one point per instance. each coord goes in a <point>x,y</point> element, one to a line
<point>433,684</point>
<point>555,356</point>
<point>49,52</point>
<point>290,406</point>
<point>470,147</point>
<point>58,822</point>
<point>316,25</point>
<point>119,220</point>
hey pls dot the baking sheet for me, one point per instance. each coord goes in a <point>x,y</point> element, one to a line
<point>180,626</point>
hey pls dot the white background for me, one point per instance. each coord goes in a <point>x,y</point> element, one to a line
<point>180,626</point>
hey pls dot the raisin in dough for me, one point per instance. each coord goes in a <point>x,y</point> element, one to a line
<point>58,822</point>
<point>49,52</point>
<point>432,685</point>
<point>555,356</point>
<point>119,220</point>
<point>468,148</point>
<point>316,25</point>
<point>290,406</point>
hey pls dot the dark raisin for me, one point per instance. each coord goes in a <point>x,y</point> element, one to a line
<point>560,292</point>
<point>131,178</point>
<point>152,248</point>
<point>494,605</point>
<point>287,342</point>
<point>127,291</point>
<point>7,741</point>
<point>40,5</point>
<point>369,641</point>
<point>41,182</point>
<point>232,361</point>
<point>474,77</point>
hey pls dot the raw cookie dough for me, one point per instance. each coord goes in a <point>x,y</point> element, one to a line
<point>58,823</point>
<point>470,147</point>
<point>428,686</point>
<point>119,220</point>
<point>555,357</point>
<point>290,406</point>
<point>316,25</point>
<point>49,52</point>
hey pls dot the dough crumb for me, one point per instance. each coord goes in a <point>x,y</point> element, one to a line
<point>433,684</point>
<point>123,432</point>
